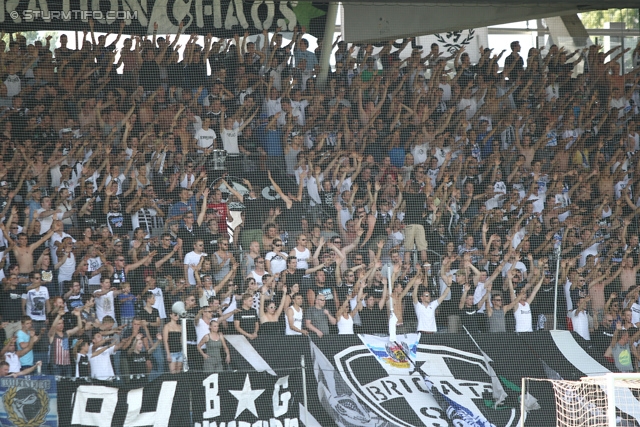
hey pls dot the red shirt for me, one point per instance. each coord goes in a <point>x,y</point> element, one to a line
<point>223,211</point>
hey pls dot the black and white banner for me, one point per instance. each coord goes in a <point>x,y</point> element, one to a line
<point>432,380</point>
<point>221,18</point>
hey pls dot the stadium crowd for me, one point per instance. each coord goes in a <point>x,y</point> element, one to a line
<point>459,181</point>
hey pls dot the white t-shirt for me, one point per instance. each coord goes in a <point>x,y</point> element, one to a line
<point>278,262</point>
<point>205,138</point>
<point>46,222</point>
<point>635,313</point>
<point>230,141</point>
<point>57,237</point>
<point>427,316</point>
<point>580,324</point>
<point>297,322</point>
<point>420,153</point>
<point>13,84</point>
<point>272,106</point>
<point>524,320</point>
<point>192,258</point>
<point>65,272</point>
<point>297,110</point>
<point>478,294</point>
<point>36,306</point>
<point>159,304</point>
<point>101,364</point>
<point>202,329</point>
<point>94,264</point>
<point>104,307</point>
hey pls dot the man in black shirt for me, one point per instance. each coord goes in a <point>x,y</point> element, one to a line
<point>246,322</point>
<point>194,357</point>
<point>414,232</point>
<point>374,315</point>
<point>471,318</point>
<point>11,304</point>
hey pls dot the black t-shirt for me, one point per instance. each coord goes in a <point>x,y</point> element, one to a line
<point>189,237</point>
<point>253,213</point>
<point>344,291</point>
<point>166,268</point>
<point>94,219</point>
<point>11,305</point>
<point>210,240</point>
<point>149,75</point>
<point>84,368</point>
<point>374,320</point>
<point>247,319</point>
<point>472,319</point>
<point>414,207</point>
<point>138,362</point>
<point>119,222</point>
<point>293,278</point>
<point>150,317</point>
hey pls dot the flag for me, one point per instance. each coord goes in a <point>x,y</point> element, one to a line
<point>336,397</point>
<point>393,355</point>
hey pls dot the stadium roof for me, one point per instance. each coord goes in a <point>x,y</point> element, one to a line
<point>370,21</point>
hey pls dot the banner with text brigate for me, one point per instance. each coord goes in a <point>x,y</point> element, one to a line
<point>28,401</point>
<point>246,398</point>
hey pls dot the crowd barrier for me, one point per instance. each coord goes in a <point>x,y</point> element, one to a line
<point>428,380</point>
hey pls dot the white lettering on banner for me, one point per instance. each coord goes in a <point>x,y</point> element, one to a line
<point>256,18</point>
<point>289,15</point>
<point>212,399</point>
<point>281,401</point>
<point>166,13</point>
<point>273,422</point>
<point>135,7</point>
<point>109,400</point>
<point>380,393</point>
<point>159,418</point>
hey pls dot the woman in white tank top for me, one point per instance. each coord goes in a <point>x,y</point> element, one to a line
<point>345,315</point>
<point>293,325</point>
<point>521,306</point>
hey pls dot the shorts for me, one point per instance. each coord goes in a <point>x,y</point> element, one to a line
<point>414,233</point>
<point>177,357</point>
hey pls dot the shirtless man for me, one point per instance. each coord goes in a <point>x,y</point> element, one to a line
<point>397,295</point>
<point>628,272</point>
<point>24,252</point>
<point>596,290</point>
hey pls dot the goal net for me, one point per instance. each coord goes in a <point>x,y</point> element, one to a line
<point>608,401</point>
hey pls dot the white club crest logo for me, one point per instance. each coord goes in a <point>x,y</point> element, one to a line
<point>452,41</point>
<point>26,407</point>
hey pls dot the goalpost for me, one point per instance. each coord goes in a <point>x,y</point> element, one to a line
<point>611,400</point>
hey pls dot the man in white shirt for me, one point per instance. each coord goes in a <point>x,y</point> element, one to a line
<point>104,298</point>
<point>580,319</point>
<point>298,106</point>
<point>426,308</point>
<point>193,258</point>
<point>100,353</point>
<point>36,303</point>
<point>205,137</point>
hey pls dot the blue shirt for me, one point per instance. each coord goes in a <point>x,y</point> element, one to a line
<point>272,143</point>
<point>486,146</point>
<point>181,208</point>
<point>127,305</point>
<point>22,336</point>
<point>397,156</point>
<point>299,55</point>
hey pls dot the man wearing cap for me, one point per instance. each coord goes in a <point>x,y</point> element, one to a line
<point>4,195</point>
